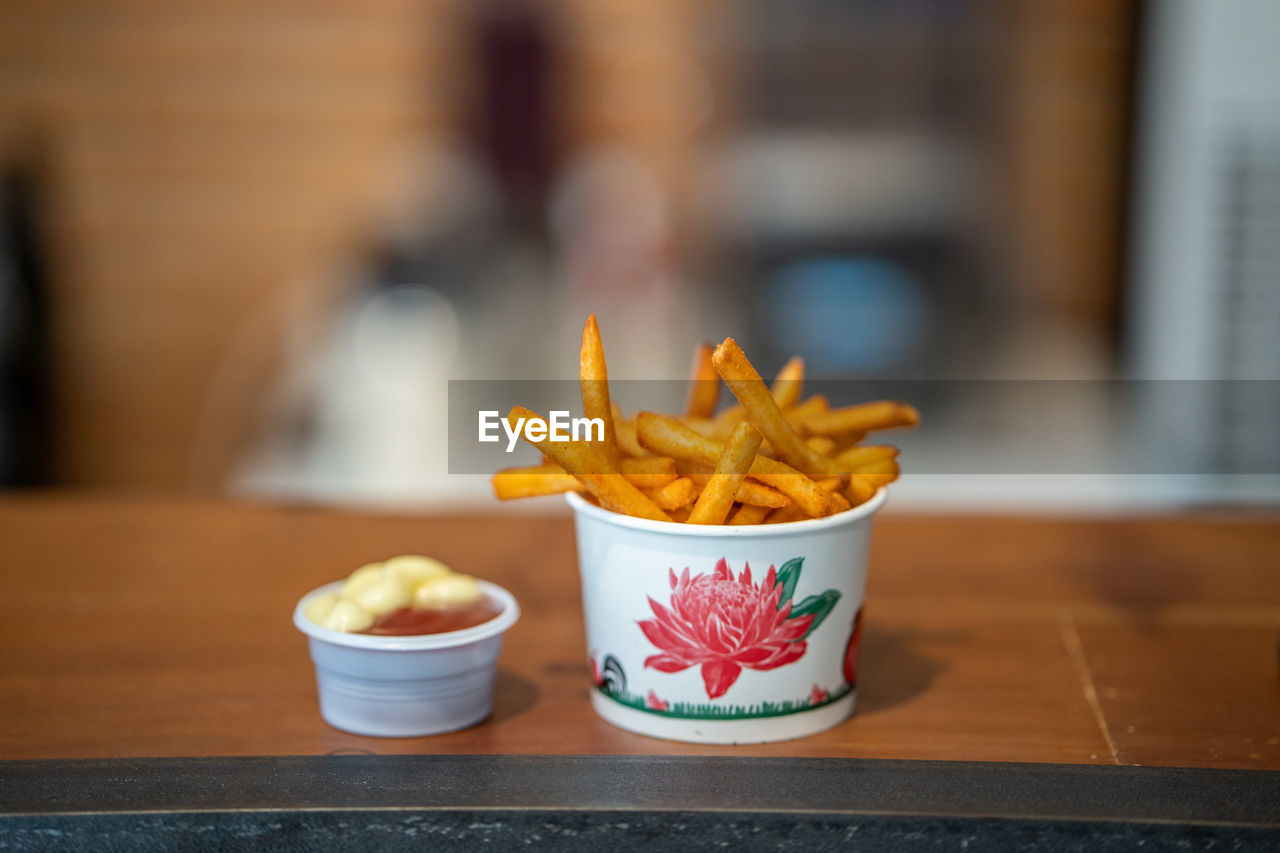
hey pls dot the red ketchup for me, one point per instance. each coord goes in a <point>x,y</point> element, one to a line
<point>406,621</point>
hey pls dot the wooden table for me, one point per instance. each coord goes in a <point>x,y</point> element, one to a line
<point>136,628</point>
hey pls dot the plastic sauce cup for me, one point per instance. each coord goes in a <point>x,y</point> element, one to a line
<point>406,686</point>
<point>686,643</point>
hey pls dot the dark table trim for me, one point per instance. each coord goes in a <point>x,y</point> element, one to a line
<point>316,801</point>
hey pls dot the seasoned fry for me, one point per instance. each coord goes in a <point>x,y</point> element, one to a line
<point>786,389</point>
<point>720,431</point>
<point>704,384</point>
<point>860,489</point>
<point>717,496</point>
<point>879,473</point>
<point>853,458</point>
<point>762,410</point>
<point>786,513</point>
<point>669,437</point>
<point>883,414</point>
<point>751,491</point>
<point>807,408</point>
<point>798,414</point>
<point>676,494</point>
<point>533,481</point>
<point>709,427</point>
<point>627,443</point>
<point>748,514</point>
<point>823,444</point>
<point>789,383</point>
<point>594,377</point>
<point>550,479</point>
<point>728,419</point>
<point>831,484</point>
<point>651,472</point>
<point>581,460</point>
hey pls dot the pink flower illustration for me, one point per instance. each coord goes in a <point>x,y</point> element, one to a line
<point>657,704</point>
<point>724,624</point>
<point>818,696</point>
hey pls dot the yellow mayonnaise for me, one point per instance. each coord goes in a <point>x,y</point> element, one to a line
<point>379,588</point>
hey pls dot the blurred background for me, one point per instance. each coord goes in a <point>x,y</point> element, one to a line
<point>245,246</point>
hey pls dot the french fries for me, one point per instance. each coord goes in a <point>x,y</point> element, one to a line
<point>717,496</point>
<point>774,457</point>
<point>750,492</point>
<point>883,414</point>
<point>704,385</point>
<point>650,472</point>
<point>671,438</point>
<point>586,464</point>
<point>863,454</point>
<point>763,410</point>
<point>789,383</point>
<point>594,376</point>
<point>674,495</point>
<point>533,481</point>
<point>748,514</point>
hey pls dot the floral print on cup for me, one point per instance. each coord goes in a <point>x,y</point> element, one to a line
<point>724,624</point>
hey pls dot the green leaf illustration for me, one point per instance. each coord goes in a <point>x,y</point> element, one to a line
<point>819,605</point>
<point>789,576</point>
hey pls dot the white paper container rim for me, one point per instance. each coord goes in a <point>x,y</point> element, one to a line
<point>418,642</point>
<point>676,528</point>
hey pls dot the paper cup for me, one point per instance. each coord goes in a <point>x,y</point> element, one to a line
<point>723,634</point>
<point>406,686</point>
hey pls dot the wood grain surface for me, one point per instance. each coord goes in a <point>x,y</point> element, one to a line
<point>162,628</point>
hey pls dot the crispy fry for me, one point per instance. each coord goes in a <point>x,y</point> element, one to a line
<point>704,384</point>
<point>844,440</point>
<point>748,514</point>
<point>879,473</point>
<point>676,494</point>
<point>831,484</point>
<point>798,414</point>
<point>720,431</point>
<point>807,408</point>
<point>786,513</point>
<point>751,492</point>
<point>681,513</point>
<point>709,427</point>
<point>823,444</point>
<point>883,414</point>
<point>627,443</point>
<point>728,419</point>
<point>786,389</point>
<point>581,459</point>
<point>860,489</point>
<point>594,377</point>
<point>788,384</point>
<point>550,479</point>
<point>853,458</point>
<point>762,410</point>
<point>717,496</point>
<point>652,472</point>
<point>533,481</point>
<point>669,437</point>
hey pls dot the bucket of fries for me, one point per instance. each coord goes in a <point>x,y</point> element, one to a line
<point>723,557</point>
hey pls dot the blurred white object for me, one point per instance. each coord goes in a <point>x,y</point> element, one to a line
<point>378,423</point>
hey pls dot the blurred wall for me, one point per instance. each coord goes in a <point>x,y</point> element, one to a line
<point>200,160</point>
<point>210,168</point>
